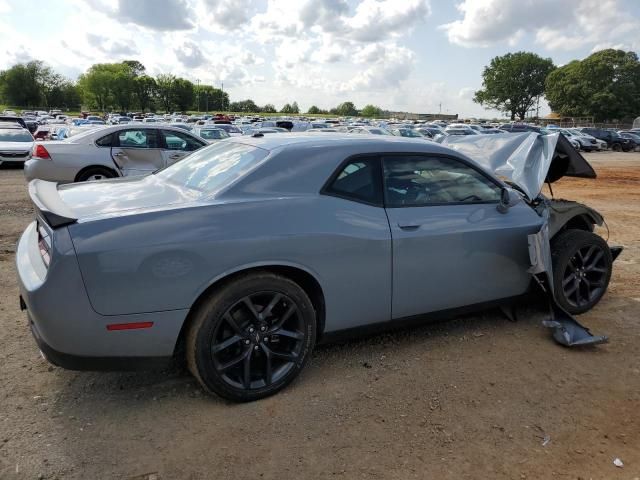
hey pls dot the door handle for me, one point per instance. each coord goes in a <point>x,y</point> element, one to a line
<point>118,154</point>
<point>175,156</point>
<point>408,226</point>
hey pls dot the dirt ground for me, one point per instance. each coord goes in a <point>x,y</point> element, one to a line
<point>475,397</point>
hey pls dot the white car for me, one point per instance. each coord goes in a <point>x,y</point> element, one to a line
<point>16,144</point>
<point>595,143</point>
<point>107,152</point>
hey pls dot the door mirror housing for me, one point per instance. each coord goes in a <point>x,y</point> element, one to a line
<point>508,198</point>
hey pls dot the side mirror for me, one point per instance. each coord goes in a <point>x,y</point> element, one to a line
<point>508,198</point>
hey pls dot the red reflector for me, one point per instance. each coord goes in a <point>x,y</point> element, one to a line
<point>129,326</point>
<point>40,152</point>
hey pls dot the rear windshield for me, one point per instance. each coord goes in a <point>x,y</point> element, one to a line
<point>15,135</point>
<point>213,168</point>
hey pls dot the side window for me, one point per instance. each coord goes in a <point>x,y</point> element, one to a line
<point>106,141</point>
<point>416,180</point>
<point>181,141</point>
<point>358,181</point>
<point>138,138</point>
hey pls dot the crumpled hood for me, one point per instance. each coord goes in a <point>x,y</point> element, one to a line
<point>527,159</point>
<point>103,197</point>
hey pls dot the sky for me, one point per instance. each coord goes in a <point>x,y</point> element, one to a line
<point>424,56</point>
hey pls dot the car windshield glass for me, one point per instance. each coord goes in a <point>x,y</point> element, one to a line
<point>228,128</point>
<point>15,136</point>
<point>211,169</point>
<point>213,134</point>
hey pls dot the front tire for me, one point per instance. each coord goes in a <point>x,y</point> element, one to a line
<point>252,337</point>
<point>582,264</point>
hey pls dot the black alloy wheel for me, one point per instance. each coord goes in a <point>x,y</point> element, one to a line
<point>582,266</point>
<point>252,337</point>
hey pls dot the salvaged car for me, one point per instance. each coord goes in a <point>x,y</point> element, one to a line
<point>250,251</point>
<point>108,152</point>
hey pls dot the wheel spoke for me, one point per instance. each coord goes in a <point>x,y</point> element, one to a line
<point>246,376</point>
<point>595,260</point>
<point>567,280</point>
<point>226,343</point>
<point>268,367</point>
<point>587,256</point>
<point>281,321</point>
<point>289,333</point>
<point>289,357</point>
<point>573,288</point>
<point>233,362</point>
<point>251,307</point>
<point>232,323</point>
<point>267,310</point>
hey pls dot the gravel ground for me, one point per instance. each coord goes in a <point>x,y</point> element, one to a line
<point>474,397</point>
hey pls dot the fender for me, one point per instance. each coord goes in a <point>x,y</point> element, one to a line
<point>566,213</point>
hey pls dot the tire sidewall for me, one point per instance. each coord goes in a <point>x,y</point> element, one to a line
<point>212,314</point>
<point>565,247</point>
<point>84,176</point>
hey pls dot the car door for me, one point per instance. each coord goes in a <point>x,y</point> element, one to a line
<point>451,246</point>
<point>136,151</point>
<point>177,145</point>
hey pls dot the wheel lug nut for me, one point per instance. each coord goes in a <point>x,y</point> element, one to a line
<point>263,328</point>
<point>256,347</point>
<point>266,339</point>
<point>251,329</point>
<point>247,342</point>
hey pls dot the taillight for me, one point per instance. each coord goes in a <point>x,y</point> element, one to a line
<point>44,245</point>
<point>40,152</point>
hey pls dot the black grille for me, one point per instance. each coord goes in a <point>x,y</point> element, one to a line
<point>14,154</point>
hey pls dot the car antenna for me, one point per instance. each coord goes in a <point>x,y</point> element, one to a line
<point>550,189</point>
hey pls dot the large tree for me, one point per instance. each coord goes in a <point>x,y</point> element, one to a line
<point>183,94</point>
<point>605,85</point>
<point>21,85</point>
<point>345,109</point>
<point>209,98</point>
<point>164,90</point>
<point>513,82</point>
<point>371,111</point>
<point>144,90</point>
<point>244,106</point>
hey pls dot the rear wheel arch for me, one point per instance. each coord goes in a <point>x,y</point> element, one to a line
<point>82,172</point>
<point>305,280</point>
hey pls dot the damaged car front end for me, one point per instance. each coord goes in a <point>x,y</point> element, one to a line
<point>569,263</point>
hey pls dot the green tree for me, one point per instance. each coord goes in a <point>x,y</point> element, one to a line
<point>246,106</point>
<point>144,90</point>
<point>605,85</point>
<point>210,98</point>
<point>184,94</point>
<point>268,108</point>
<point>513,82</point>
<point>371,111</point>
<point>295,108</point>
<point>164,90</point>
<point>20,85</point>
<point>286,108</point>
<point>313,110</point>
<point>346,109</point>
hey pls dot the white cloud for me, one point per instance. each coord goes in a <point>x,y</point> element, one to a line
<point>161,15</point>
<point>225,14</point>
<point>565,25</point>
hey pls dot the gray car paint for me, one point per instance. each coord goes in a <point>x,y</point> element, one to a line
<point>142,250</point>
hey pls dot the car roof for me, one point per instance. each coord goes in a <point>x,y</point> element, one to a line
<point>374,143</point>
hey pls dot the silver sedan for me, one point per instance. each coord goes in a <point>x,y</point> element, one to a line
<point>116,151</point>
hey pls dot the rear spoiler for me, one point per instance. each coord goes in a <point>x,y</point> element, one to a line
<point>49,204</point>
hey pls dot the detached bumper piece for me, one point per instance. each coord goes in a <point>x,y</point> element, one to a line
<point>568,332</point>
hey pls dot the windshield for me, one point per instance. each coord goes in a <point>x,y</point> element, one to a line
<point>407,132</point>
<point>228,128</point>
<point>213,168</point>
<point>213,134</point>
<point>15,136</point>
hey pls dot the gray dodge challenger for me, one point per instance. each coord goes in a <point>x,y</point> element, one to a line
<point>249,252</point>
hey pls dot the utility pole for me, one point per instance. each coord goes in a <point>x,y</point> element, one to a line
<point>222,95</point>
<point>440,108</point>
<point>198,93</point>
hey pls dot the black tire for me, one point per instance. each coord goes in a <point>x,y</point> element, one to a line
<point>581,269</point>
<point>95,173</point>
<point>616,147</point>
<point>227,337</point>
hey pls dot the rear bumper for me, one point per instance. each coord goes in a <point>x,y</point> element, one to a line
<point>66,327</point>
<point>80,362</point>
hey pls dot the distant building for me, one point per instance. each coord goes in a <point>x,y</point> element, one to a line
<point>422,116</point>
